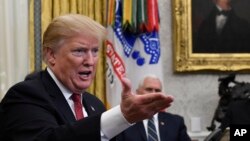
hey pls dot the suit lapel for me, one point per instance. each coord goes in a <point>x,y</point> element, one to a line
<point>63,107</point>
<point>88,107</point>
<point>162,126</point>
<point>141,129</point>
<point>57,97</point>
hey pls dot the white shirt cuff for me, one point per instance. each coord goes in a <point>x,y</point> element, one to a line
<point>113,122</point>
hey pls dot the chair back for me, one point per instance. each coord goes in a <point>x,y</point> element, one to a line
<point>219,135</point>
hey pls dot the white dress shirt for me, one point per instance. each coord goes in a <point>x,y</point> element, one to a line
<point>112,121</point>
<point>145,123</point>
<point>220,21</point>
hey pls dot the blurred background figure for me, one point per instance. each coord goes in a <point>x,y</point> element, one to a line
<point>223,31</point>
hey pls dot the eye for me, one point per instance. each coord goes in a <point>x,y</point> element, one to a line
<point>149,90</point>
<point>95,51</point>
<point>79,52</point>
<point>157,90</point>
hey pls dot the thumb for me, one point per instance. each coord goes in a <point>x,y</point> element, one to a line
<point>126,84</point>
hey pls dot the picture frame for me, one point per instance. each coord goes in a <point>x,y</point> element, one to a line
<point>185,60</point>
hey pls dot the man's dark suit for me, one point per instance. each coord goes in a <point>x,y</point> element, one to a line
<point>234,37</point>
<point>171,128</point>
<point>42,113</point>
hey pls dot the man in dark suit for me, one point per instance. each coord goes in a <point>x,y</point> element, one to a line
<point>53,105</point>
<point>169,127</point>
<point>223,31</point>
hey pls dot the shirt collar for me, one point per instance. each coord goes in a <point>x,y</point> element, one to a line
<point>155,116</point>
<point>66,92</point>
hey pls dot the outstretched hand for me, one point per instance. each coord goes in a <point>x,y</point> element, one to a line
<point>139,107</point>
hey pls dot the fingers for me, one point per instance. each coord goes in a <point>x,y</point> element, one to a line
<point>157,97</point>
<point>157,102</point>
<point>139,107</point>
<point>126,86</point>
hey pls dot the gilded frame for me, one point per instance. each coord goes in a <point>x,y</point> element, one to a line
<point>186,61</point>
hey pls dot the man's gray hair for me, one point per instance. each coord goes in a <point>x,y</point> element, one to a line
<point>148,76</point>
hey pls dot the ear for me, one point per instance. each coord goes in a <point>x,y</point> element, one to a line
<point>50,56</point>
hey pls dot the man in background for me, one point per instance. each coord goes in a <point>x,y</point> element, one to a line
<point>167,126</point>
<point>223,31</point>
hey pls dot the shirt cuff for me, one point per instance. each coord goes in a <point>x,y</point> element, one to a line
<point>113,122</point>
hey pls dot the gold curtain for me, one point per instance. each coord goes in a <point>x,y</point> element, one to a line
<point>96,9</point>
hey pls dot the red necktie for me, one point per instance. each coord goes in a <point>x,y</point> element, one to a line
<point>77,105</point>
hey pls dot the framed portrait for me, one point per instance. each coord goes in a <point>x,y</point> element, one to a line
<point>209,38</point>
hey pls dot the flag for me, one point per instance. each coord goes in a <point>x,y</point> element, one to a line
<point>130,55</point>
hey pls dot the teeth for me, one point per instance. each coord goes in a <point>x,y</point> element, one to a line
<point>85,73</point>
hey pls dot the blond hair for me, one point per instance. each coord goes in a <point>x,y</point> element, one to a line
<point>68,26</point>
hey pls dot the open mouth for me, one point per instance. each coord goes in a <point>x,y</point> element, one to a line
<point>85,74</point>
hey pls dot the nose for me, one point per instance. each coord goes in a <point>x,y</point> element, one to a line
<point>89,59</point>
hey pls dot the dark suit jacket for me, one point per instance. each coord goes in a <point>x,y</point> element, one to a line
<point>171,128</point>
<point>36,109</point>
<point>234,37</point>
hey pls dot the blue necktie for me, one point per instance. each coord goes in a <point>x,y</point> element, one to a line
<point>152,135</point>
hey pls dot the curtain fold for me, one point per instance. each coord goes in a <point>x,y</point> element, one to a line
<point>13,43</point>
<point>95,9</point>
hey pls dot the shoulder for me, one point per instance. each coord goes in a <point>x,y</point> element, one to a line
<point>32,82</point>
<point>171,117</point>
<point>90,96</point>
<point>29,81</point>
<point>167,114</point>
<point>32,75</point>
<point>238,21</point>
<point>93,100</point>
<point>31,88</point>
